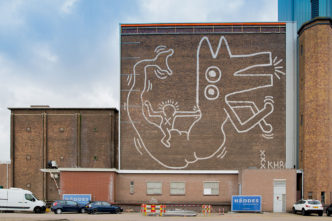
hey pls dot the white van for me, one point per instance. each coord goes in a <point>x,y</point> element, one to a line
<point>16,199</point>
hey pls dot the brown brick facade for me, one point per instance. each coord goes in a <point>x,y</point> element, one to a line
<point>193,194</point>
<point>202,100</point>
<point>260,182</point>
<point>131,188</point>
<point>71,137</point>
<point>101,185</point>
<point>315,144</point>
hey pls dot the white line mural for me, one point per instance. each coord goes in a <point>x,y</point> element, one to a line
<point>177,128</point>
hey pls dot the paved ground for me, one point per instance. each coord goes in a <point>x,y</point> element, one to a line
<point>138,217</point>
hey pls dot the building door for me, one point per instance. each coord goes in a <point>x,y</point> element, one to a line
<point>279,196</point>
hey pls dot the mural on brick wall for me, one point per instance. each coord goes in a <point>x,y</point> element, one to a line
<point>166,126</point>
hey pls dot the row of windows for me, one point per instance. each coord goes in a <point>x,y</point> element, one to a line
<point>177,188</point>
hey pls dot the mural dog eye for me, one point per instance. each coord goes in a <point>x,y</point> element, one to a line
<point>226,88</point>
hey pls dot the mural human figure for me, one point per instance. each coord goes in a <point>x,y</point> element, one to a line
<point>165,119</point>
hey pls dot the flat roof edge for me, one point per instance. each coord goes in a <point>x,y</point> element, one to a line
<point>62,108</point>
<point>203,24</point>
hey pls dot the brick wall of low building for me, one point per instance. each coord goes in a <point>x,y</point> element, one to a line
<point>260,182</point>
<point>101,185</point>
<point>194,192</point>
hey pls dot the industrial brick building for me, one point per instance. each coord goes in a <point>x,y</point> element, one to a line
<point>72,137</point>
<point>200,103</point>
<point>315,110</point>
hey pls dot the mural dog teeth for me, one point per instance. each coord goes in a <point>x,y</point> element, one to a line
<point>176,138</point>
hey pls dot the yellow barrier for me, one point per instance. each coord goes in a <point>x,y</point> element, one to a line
<point>147,209</point>
<point>206,210</point>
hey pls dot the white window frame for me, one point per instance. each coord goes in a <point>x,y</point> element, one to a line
<point>132,187</point>
<point>177,189</point>
<point>154,190</point>
<point>209,191</point>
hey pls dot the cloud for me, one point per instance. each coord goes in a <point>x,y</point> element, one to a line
<point>187,10</point>
<point>10,14</point>
<point>161,11</point>
<point>44,53</point>
<point>44,80</point>
<point>268,11</point>
<point>68,6</point>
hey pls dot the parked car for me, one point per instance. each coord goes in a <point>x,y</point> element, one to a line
<point>102,207</point>
<point>60,206</point>
<point>16,199</point>
<point>306,207</point>
<point>329,210</point>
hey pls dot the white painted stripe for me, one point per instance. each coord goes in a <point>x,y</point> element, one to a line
<point>178,171</point>
<point>143,171</point>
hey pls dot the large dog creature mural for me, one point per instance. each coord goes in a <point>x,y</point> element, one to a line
<point>225,81</point>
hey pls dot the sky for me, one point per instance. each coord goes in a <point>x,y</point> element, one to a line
<point>65,53</point>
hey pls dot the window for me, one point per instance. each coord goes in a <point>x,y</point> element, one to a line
<point>301,49</point>
<point>211,188</point>
<point>301,119</point>
<point>97,203</point>
<point>153,188</point>
<point>131,187</point>
<point>71,203</point>
<point>309,195</point>
<point>314,202</point>
<point>178,188</point>
<point>29,197</point>
<point>105,204</point>
<point>322,195</point>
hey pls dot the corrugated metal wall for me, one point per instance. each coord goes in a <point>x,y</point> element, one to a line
<point>300,10</point>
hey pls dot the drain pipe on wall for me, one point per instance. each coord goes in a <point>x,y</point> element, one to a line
<point>302,185</point>
<point>7,178</point>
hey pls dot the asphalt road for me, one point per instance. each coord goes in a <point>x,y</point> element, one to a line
<point>138,217</point>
